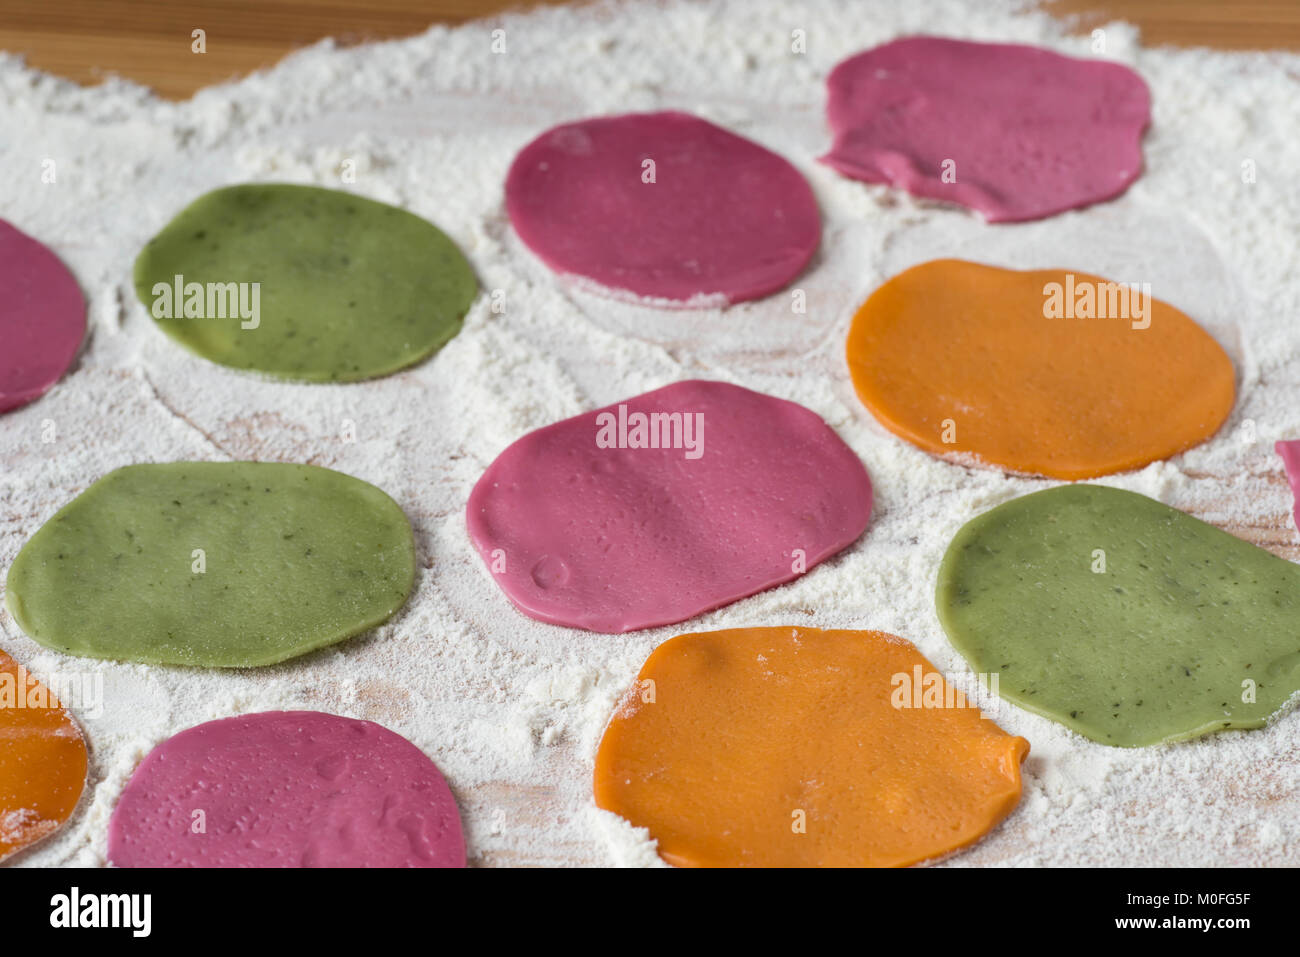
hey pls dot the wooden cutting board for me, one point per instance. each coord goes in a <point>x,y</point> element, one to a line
<point>150,41</point>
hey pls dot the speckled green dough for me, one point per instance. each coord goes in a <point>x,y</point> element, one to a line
<point>1162,645</point>
<point>295,557</point>
<point>350,288</point>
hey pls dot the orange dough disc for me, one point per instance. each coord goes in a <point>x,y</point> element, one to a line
<point>787,747</point>
<point>1052,372</point>
<point>42,760</point>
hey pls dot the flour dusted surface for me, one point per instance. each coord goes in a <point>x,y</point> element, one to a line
<point>511,709</point>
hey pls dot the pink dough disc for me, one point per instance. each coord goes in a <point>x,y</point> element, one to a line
<point>1022,133</point>
<point>724,218</point>
<point>1290,453</point>
<point>42,318</point>
<point>286,789</point>
<point>613,539</point>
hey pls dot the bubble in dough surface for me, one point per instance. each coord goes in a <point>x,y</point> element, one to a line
<point>666,505</point>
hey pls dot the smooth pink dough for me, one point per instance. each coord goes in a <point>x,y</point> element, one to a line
<point>42,318</point>
<point>724,217</point>
<point>1290,452</point>
<point>613,539</point>
<point>1029,133</point>
<point>286,789</point>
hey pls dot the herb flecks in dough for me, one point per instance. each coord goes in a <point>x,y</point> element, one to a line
<point>214,564</point>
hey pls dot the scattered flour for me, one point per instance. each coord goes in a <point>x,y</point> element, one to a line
<point>512,709</point>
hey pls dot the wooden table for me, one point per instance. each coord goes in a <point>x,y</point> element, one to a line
<point>150,40</point>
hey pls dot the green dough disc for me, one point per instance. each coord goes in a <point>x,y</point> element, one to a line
<point>1121,618</point>
<point>348,289</point>
<point>225,565</point>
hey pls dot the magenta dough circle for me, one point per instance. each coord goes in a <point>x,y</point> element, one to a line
<point>583,523</point>
<point>286,789</point>
<point>1013,132</point>
<point>42,318</point>
<point>663,206</point>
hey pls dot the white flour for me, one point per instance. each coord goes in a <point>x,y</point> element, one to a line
<point>511,709</point>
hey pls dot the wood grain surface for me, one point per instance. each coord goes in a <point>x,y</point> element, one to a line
<point>150,40</point>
